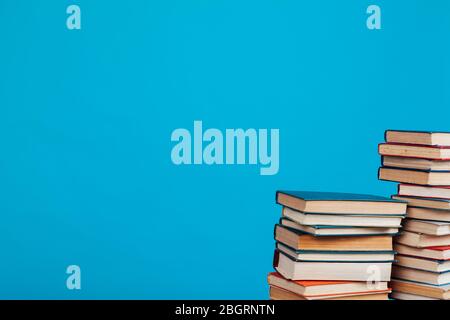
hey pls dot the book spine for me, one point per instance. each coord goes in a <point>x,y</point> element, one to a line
<point>275,231</point>
<point>276,197</point>
<point>276,259</point>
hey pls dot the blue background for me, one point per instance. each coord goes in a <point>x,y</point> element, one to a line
<point>86,118</point>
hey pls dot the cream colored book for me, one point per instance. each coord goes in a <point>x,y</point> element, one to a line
<point>442,204</point>
<point>337,230</point>
<point>419,240</point>
<point>420,276</point>
<point>353,271</point>
<point>438,253</point>
<point>414,151</point>
<point>416,163</point>
<point>342,220</point>
<point>428,214</point>
<point>423,264</point>
<point>430,178</point>
<point>433,228</point>
<point>429,138</point>
<point>411,190</point>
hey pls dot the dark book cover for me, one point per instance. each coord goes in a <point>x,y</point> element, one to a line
<point>333,196</point>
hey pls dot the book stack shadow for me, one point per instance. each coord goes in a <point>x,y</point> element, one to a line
<point>334,246</point>
<point>420,162</point>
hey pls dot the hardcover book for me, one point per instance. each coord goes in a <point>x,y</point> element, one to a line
<point>419,240</point>
<point>318,289</point>
<point>408,296</point>
<point>414,151</point>
<point>441,204</point>
<point>420,276</point>
<point>355,220</point>
<point>319,230</point>
<point>438,253</point>
<point>277,293</point>
<point>429,214</point>
<point>299,240</point>
<point>339,203</point>
<point>429,138</point>
<point>434,228</point>
<point>415,163</point>
<point>422,177</point>
<point>336,256</point>
<point>431,265</point>
<point>424,290</point>
<point>353,271</point>
<point>423,191</point>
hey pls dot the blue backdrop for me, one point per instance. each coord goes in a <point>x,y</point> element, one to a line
<point>86,117</point>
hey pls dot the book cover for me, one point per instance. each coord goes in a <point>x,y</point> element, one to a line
<point>333,196</point>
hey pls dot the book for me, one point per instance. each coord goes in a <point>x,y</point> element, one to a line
<point>414,151</point>
<point>428,214</point>
<point>319,289</point>
<point>409,296</point>
<point>335,256</point>
<point>355,271</point>
<point>422,240</point>
<point>282,294</point>
<point>429,138</point>
<point>423,191</point>
<point>318,230</point>
<point>435,228</point>
<point>423,264</point>
<point>419,289</point>
<point>301,241</point>
<point>428,178</point>
<point>342,220</point>
<point>438,253</point>
<point>339,203</point>
<point>415,163</point>
<point>420,276</point>
<point>442,204</point>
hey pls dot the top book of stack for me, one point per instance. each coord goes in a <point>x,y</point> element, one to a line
<point>339,203</point>
<point>427,138</point>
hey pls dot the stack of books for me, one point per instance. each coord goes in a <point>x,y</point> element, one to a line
<point>334,246</point>
<point>420,161</point>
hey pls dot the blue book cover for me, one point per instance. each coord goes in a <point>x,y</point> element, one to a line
<point>334,196</point>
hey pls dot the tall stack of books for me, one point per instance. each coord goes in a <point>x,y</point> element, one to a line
<point>420,161</point>
<point>334,246</point>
